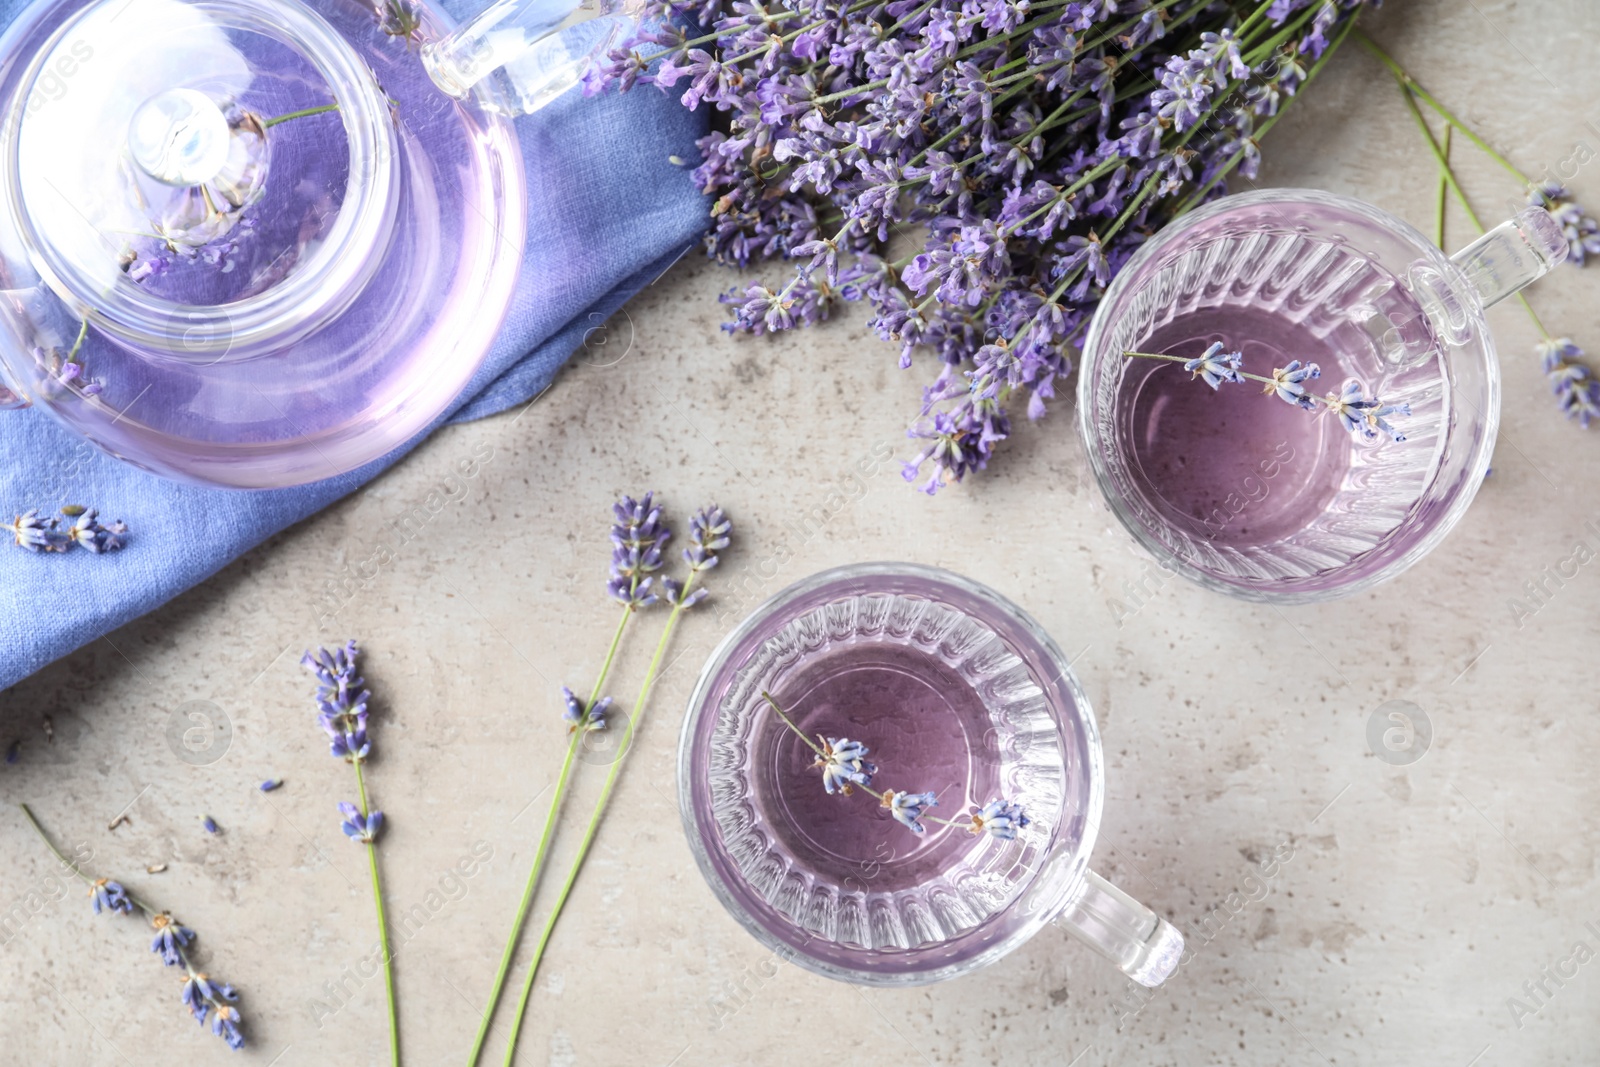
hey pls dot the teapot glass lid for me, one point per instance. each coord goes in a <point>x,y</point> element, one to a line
<point>147,177</point>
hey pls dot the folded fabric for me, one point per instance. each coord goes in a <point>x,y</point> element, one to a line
<point>608,212</point>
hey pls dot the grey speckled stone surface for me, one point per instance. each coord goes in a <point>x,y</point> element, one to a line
<point>1417,900</point>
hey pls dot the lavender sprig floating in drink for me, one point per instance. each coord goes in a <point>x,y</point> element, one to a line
<point>845,768</point>
<point>1360,414</point>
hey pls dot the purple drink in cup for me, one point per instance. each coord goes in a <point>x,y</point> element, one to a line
<point>1258,498</point>
<point>956,692</point>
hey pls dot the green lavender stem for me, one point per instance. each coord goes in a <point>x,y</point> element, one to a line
<point>623,744</point>
<point>267,124</point>
<point>1409,83</point>
<point>383,925</point>
<point>544,847</point>
<point>1447,175</point>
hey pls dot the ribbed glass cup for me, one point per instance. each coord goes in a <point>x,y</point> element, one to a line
<point>957,692</point>
<point>1254,497</point>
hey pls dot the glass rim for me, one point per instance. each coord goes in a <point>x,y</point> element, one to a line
<point>1059,873</point>
<point>1096,447</point>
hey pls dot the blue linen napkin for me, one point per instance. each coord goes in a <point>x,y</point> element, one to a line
<point>608,212</point>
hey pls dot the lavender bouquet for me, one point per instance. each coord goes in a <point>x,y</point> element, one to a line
<point>976,170</point>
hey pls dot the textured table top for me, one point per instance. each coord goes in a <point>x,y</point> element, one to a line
<point>1417,902</point>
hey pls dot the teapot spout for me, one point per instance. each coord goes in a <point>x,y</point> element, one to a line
<point>528,51</point>
<point>1513,255</point>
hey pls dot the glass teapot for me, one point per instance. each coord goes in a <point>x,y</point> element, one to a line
<point>259,243</point>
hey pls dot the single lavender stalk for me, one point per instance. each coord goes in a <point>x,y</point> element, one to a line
<point>845,768</point>
<point>342,699</point>
<point>709,532</point>
<point>202,995</point>
<point>1359,413</point>
<point>637,537</point>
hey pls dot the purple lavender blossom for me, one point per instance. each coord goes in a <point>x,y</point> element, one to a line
<point>108,895</point>
<point>170,940</point>
<point>210,825</point>
<point>1363,415</point>
<point>844,765</point>
<point>907,808</point>
<point>1582,231</point>
<point>1288,384</point>
<point>31,532</point>
<point>710,530</point>
<point>203,997</point>
<point>359,828</point>
<point>341,701</point>
<point>1025,151</point>
<point>998,818</point>
<point>637,537</point>
<point>1216,366</point>
<point>581,717</point>
<point>1576,388</point>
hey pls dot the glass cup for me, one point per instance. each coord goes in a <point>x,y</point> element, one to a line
<point>955,691</point>
<point>1255,497</point>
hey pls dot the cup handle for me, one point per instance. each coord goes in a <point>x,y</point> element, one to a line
<point>1143,944</point>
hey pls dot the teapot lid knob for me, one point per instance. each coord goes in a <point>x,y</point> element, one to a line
<point>179,137</point>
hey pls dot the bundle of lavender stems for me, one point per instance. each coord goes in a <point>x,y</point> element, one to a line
<point>975,170</point>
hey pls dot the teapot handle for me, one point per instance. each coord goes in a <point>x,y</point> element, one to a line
<point>531,51</point>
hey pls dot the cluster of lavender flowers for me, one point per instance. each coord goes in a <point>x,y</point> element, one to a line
<point>203,996</point>
<point>76,527</point>
<point>1035,143</point>
<point>845,768</point>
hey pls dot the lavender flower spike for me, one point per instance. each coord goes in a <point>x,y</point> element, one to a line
<point>1216,366</point>
<point>638,536</point>
<point>844,765</point>
<point>110,895</point>
<point>1288,383</point>
<point>362,829</point>
<point>341,701</point>
<point>907,808</point>
<point>201,995</point>
<point>1576,388</point>
<point>709,531</point>
<point>998,818</point>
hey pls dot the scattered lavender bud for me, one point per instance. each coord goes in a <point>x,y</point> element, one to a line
<point>270,784</point>
<point>13,751</point>
<point>210,824</point>
<point>155,868</point>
